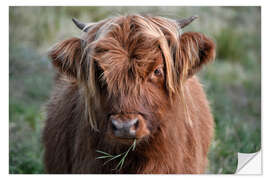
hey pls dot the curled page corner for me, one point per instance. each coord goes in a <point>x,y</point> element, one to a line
<point>249,163</point>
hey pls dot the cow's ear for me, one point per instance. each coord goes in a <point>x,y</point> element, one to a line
<point>195,50</point>
<point>66,56</point>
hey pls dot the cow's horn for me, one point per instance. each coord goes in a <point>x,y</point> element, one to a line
<point>184,22</point>
<point>80,25</point>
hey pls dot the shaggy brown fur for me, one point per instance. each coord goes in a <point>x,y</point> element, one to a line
<point>129,66</point>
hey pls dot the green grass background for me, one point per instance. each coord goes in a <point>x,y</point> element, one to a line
<point>232,82</point>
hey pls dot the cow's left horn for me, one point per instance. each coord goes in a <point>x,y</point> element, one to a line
<point>80,25</point>
<point>184,22</point>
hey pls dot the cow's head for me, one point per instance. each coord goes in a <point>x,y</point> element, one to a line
<point>131,70</point>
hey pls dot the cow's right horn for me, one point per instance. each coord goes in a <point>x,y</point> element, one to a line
<point>80,25</point>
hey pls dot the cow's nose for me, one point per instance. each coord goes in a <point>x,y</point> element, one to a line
<point>124,129</point>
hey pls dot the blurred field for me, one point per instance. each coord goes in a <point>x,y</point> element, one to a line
<point>232,82</point>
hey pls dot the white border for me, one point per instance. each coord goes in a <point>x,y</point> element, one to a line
<point>137,2</point>
<point>265,74</point>
<point>4,92</point>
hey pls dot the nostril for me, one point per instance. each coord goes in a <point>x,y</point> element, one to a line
<point>136,125</point>
<point>114,128</point>
<point>116,125</point>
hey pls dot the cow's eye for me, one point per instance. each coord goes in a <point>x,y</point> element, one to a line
<point>99,76</point>
<point>158,72</point>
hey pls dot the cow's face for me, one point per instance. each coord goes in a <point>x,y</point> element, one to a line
<point>132,88</point>
<point>134,67</point>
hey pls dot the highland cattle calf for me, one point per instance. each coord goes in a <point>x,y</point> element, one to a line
<point>129,81</point>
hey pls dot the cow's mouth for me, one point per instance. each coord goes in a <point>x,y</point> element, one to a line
<point>126,141</point>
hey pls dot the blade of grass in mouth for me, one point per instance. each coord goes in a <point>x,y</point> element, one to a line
<point>112,157</point>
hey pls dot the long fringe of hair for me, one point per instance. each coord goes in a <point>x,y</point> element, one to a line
<point>165,31</point>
